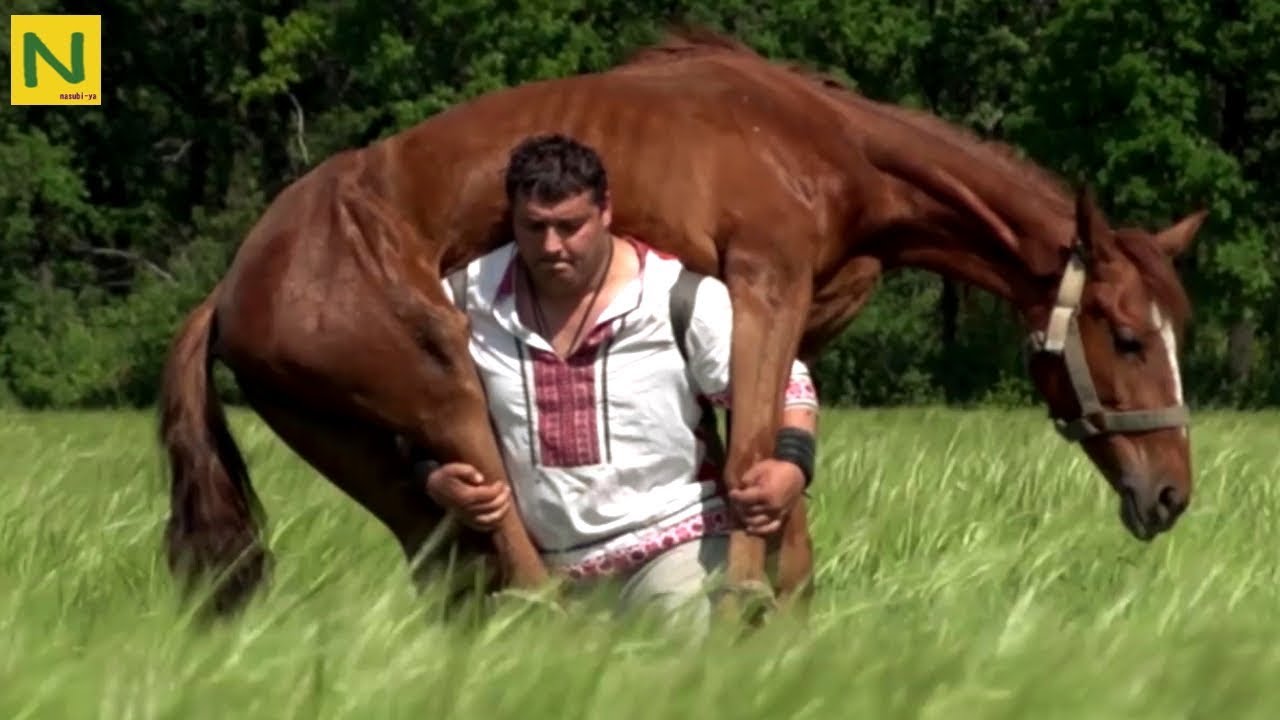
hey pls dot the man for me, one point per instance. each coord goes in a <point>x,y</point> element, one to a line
<point>596,408</point>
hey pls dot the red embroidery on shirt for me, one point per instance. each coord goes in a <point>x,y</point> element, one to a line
<point>648,546</point>
<point>565,397</point>
<point>800,390</point>
<point>564,393</point>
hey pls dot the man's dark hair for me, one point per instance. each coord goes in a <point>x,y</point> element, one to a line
<point>550,168</point>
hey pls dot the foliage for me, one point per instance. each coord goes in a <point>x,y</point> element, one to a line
<point>211,108</point>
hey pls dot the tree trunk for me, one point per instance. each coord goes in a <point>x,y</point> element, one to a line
<point>1240,351</point>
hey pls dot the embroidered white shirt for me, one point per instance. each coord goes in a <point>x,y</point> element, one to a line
<point>601,448</point>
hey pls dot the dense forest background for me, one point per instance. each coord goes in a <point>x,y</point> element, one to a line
<point>115,220</point>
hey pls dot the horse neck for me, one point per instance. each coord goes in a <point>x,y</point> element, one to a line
<point>946,190</point>
<point>957,245</point>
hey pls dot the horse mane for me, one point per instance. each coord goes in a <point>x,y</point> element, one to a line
<point>998,153</point>
<point>687,41</point>
<point>683,41</point>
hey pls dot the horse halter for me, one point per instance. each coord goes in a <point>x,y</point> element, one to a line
<point>1061,338</point>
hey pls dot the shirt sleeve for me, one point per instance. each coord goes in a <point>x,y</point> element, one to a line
<point>710,341</point>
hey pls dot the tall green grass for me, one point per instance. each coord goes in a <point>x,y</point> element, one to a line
<point>970,564</point>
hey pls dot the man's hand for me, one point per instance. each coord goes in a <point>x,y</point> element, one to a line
<point>770,489</point>
<point>461,488</point>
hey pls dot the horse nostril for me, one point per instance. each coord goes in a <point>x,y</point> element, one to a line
<point>1172,500</point>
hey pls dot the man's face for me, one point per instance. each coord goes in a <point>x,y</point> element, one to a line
<point>563,243</point>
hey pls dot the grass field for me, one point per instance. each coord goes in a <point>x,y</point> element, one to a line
<point>971,565</point>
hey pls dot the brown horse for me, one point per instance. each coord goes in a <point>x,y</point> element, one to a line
<point>795,191</point>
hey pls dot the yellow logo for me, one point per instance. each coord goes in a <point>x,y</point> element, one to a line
<point>56,60</point>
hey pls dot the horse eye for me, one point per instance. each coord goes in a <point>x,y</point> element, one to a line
<point>1126,342</point>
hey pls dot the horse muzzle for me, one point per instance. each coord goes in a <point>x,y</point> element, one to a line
<point>1149,507</point>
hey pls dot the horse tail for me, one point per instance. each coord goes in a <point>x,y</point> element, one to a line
<point>212,533</point>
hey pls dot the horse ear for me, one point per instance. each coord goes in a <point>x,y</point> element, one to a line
<point>1092,232</point>
<point>1175,240</point>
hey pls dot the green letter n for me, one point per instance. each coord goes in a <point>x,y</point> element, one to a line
<point>32,45</point>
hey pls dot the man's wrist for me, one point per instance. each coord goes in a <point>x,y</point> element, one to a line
<point>796,446</point>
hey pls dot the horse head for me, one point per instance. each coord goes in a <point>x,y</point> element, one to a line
<point>1104,356</point>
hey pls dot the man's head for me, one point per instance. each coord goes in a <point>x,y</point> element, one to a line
<point>558,193</point>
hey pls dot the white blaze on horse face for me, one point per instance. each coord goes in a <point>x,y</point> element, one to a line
<point>1171,352</point>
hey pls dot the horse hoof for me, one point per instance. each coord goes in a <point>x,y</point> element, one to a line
<point>747,602</point>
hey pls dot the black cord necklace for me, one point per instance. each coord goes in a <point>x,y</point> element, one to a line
<point>595,295</point>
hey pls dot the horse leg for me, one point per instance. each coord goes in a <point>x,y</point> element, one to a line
<point>770,299</point>
<point>343,305</point>
<point>367,465</point>
<point>834,305</point>
<point>387,384</point>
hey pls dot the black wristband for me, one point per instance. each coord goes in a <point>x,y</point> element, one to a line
<point>796,446</point>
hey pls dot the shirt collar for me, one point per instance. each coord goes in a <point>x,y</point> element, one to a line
<point>503,305</point>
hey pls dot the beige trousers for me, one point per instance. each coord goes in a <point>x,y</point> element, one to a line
<point>679,584</point>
